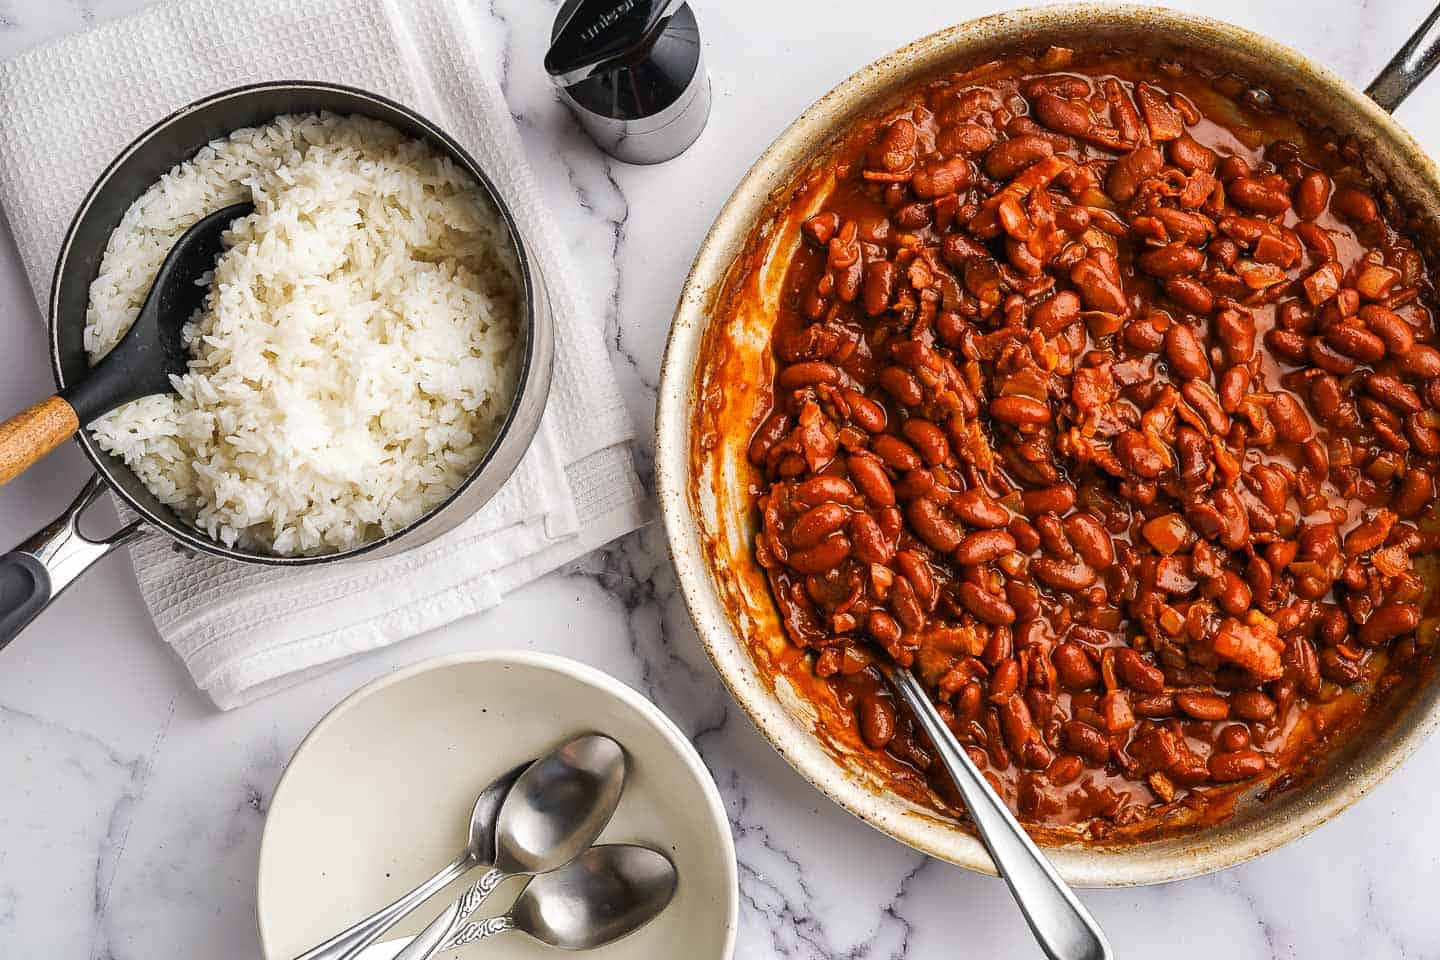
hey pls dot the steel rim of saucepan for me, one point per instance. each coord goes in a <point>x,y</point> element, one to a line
<point>534,372</point>
<point>1186,855</point>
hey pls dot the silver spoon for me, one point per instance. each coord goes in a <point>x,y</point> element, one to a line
<point>1061,924</point>
<point>607,893</point>
<point>556,809</point>
<point>480,849</point>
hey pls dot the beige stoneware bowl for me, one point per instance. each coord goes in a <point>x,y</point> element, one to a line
<point>709,515</point>
<point>378,797</point>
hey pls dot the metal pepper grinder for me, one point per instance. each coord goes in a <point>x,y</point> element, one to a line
<point>633,73</point>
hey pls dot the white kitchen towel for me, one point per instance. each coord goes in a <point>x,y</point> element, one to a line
<point>67,108</point>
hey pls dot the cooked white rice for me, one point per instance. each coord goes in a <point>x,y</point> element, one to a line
<point>357,350</point>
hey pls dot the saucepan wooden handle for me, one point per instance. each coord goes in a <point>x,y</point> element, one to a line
<point>29,435</point>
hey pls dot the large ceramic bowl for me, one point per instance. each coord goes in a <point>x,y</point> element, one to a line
<point>703,475</point>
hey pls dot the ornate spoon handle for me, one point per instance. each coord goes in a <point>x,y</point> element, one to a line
<point>480,929</point>
<point>447,930</point>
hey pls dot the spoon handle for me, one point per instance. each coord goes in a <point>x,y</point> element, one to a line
<point>28,436</point>
<point>445,931</point>
<point>1061,924</point>
<point>481,929</point>
<point>348,943</point>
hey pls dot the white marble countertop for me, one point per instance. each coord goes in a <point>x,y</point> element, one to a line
<point>131,811</point>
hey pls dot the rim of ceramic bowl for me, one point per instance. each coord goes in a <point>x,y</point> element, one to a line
<point>579,672</point>
<point>1172,858</point>
<point>523,411</point>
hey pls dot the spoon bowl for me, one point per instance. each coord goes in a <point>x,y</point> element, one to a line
<point>486,812</point>
<point>607,893</point>
<point>559,806</point>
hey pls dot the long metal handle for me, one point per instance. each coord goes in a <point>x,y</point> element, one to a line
<point>36,572</point>
<point>348,943</point>
<point>1061,924</point>
<point>1411,65</point>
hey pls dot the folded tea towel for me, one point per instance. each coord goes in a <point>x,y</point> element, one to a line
<point>67,108</point>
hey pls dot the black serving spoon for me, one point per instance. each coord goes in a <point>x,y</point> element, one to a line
<point>140,365</point>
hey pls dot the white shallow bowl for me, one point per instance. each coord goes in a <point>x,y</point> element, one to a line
<point>378,797</point>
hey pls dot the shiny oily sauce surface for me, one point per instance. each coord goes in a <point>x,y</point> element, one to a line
<point>1111,406</point>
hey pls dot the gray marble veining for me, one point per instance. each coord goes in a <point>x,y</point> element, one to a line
<point>130,814</point>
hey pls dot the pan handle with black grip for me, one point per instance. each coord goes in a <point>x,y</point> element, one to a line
<point>39,570</point>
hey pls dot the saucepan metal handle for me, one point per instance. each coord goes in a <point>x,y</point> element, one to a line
<point>37,571</point>
<point>1410,65</point>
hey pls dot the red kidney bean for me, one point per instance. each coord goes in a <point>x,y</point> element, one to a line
<point>1289,417</point>
<point>1202,706</point>
<point>1131,170</point>
<point>1087,741</point>
<point>1011,156</point>
<point>1356,342</point>
<point>1422,360</point>
<point>1390,391</point>
<point>1056,314</point>
<point>827,555</point>
<point>819,489</point>
<point>1390,327</point>
<point>902,385</point>
<point>1090,540</point>
<point>928,439</point>
<point>1253,706</point>
<point>1172,260</point>
<point>1229,766</point>
<point>1065,575</point>
<point>1019,411</point>
<point>986,607</point>
<point>1190,294</point>
<point>866,413</point>
<point>1076,670</point>
<point>984,546</point>
<point>878,286</point>
<point>1288,344</point>
<point>807,374</point>
<point>817,523</point>
<point>867,539</point>
<point>1389,622</point>
<point>976,508</point>
<point>1138,456</point>
<point>1312,194</point>
<point>897,454</point>
<point>877,721</point>
<point>883,627</point>
<point>1354,205</point>
<point>869,475</point>
<point>1062,115</point>
<point>917,571</point>
<point>931,525</point>
<point>1137,672</point>
<point>1261,197</point>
